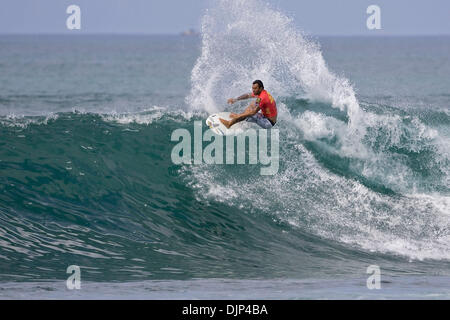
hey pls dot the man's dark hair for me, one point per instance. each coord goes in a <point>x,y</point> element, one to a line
<point>259,82</point>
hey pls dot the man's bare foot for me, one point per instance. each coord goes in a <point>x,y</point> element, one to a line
<point>225,123</point>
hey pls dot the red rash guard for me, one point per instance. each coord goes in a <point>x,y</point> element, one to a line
<point>267,104</point>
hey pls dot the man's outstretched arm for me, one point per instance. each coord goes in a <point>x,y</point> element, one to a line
<point>243,97</point>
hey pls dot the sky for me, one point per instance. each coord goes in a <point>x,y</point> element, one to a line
<point>315,17</point>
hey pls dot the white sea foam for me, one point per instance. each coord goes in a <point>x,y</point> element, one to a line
<point>412,222</point>
<point>21,121</point>
<point>307,196</point>
<point>150,115</point>
<point>235,52</point>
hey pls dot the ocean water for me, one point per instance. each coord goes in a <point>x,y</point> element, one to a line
<point>86,176</point>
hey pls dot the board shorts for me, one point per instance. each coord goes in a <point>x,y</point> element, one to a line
<point>261,121</point>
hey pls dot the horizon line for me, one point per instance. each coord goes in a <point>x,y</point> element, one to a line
<point>75,33</point>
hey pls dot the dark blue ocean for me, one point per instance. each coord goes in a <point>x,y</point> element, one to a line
<point>87,179</point>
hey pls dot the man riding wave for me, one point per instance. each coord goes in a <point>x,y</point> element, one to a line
<point>264,102</point>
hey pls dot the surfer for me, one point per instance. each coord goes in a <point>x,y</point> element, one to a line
<point>264,102</point>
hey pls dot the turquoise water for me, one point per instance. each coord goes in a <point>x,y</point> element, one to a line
<point>86,176</point>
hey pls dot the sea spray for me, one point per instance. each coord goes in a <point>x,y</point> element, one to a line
<point>334,178</point>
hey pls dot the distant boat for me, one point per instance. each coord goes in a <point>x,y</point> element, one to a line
<point>190,32</point>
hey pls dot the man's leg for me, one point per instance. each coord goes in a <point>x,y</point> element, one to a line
<point>250,107</point>
<point>238,118</point>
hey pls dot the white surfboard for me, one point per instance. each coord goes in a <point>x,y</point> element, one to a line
<point>218,127</point>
